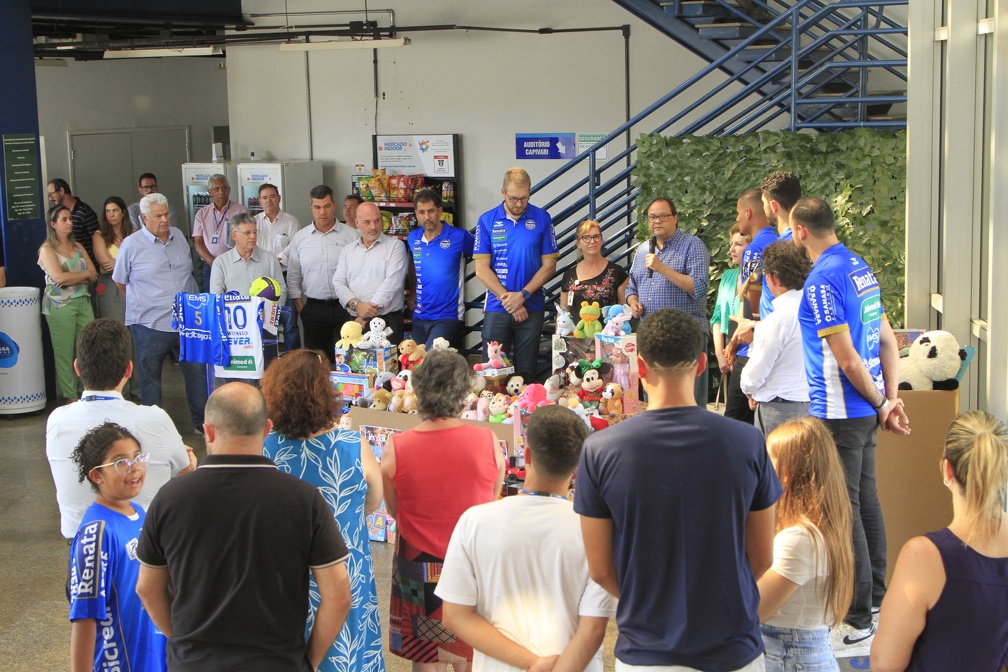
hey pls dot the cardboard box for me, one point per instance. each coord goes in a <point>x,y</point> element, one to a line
<point>369,361</point>
<point>620,353</point>
<point>914,500</point>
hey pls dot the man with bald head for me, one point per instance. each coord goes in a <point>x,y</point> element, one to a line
<point>230,589</point>
<point>371,273</point>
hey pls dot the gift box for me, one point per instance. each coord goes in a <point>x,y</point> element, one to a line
<point>361,360</point>
<point>620,353</point>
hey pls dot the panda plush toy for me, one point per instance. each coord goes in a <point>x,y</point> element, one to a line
<point>932,363</point>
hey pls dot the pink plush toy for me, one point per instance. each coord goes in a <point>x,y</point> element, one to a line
<point>532,397</point>
<point>495,358</point>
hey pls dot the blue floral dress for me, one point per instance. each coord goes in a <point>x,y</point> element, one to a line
<point>331,462</point>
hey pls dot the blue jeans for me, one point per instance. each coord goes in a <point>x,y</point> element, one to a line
<point>289,320</point>
<point>425,331</point>
<point>771,414</point>
<point>855,439</point>
<point>797,650</point>
<point>520,340</point>
<point>152,347</point>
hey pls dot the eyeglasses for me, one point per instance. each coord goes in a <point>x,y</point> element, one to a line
<point>148,187</point>
<point>124,466</point>
<point>591,238</point>
<point>664,217</point>
<point>515,200</point>
<point>224,188</point>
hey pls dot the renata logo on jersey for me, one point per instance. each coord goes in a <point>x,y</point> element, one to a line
<point>863,280</point>
<point>85,571</point>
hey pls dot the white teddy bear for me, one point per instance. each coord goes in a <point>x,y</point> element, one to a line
<point>377,337</point>
<point>932,363</point>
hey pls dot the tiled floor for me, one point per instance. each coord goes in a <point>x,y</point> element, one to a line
<point>34,632</point>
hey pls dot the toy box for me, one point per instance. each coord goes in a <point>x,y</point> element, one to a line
<point>567,350</point>
<point>350,386</point>
<point>620,353</point>
<point>370,361</point>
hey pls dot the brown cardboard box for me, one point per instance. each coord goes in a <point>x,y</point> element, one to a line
<point>402,421</point>
<point>914,500</point>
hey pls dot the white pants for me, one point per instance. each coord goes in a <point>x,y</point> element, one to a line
<point>758,665</point>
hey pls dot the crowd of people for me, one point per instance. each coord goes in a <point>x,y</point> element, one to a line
<point>748,541</point>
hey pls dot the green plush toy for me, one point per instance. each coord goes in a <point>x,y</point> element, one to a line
<point>590,323</point>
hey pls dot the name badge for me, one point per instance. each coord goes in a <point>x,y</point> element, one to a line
<point>214,240</point>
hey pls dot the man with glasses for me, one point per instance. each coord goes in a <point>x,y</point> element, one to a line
<point>516,254</point>
<point>236,269</point>
<point>104,363</point>
<point>671,271</point>
<point>148,185</point>
<point>210,234</point>
<point>85,220</point>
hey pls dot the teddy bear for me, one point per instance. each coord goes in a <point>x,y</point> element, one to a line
<point>611,406</point>
<point>406,348</point>
<point>932,363</point>
<point>350,335</point>
<point>417,356</point>
<point>382,399</point>
<point>441,343</point>
<point>589,324</point>
<point>564,321</point>
<point>377,338</point>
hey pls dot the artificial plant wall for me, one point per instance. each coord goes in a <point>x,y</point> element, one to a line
<point>860,173</point>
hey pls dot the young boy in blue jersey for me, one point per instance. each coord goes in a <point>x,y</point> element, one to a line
<point>852,366</point>
<point>109,628</point>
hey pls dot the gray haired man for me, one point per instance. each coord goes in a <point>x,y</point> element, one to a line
<point>209,234</point>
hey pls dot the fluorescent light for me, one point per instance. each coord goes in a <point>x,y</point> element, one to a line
<point>346,44</point>
<point>161,53</point>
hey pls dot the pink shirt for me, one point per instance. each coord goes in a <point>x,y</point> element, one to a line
<point>213,226</point>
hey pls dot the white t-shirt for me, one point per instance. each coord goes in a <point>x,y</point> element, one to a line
<point>794,558</point>
<point>67,425</point>
<point>521,562</point>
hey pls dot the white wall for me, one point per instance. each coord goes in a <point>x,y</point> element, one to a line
<point>486,86</point>
<point>126,94</point>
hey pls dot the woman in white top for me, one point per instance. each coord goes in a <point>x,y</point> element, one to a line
<point>809,587</point>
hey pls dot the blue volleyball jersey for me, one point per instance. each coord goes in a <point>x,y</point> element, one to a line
<point>787,235</point>
<point>200,321</point>
<point>752,261</point>
<point>841,294</point>
<point>440,272</point>
<point>103,576</point>
<point>515,250</point>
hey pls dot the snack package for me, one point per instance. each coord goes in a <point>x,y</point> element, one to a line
<point>386,218</point>
<point>398,185</point>
<point>378,192</point>
<point>415,184</point>
<point>448,217</point>
<point>363,190</point>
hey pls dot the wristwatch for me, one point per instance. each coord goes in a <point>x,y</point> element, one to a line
<point>525,294</point>
<point>884,404</point>
<point>353,304</point>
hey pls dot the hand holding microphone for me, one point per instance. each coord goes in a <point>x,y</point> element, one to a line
<point>651,250</point>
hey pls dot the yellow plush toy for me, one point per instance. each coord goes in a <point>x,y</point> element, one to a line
<point>350,333</point>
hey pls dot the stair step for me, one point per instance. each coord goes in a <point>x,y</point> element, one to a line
<point>734,31</point>
<point>694,10</point>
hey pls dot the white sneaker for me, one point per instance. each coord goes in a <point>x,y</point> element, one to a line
<point>848,641</point>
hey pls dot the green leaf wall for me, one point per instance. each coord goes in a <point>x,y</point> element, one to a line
<point>861,173</point>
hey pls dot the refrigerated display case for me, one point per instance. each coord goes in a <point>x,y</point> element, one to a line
<point>293,179</point>
<point>195,177</point>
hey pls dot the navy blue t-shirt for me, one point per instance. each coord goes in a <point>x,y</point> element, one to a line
<point>678,484</point>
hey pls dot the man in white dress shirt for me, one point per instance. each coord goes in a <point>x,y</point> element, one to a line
<point>370,276</point>
<point>774,379</point>
<point>104,363</point>
<point>276,230</point>
<point>311,264</point>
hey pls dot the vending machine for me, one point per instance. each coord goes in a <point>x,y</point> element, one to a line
<point>293,179</point>
<point>195,187</point>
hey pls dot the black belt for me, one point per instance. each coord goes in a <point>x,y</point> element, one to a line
<point>326,301</point>
<point>780,400</point>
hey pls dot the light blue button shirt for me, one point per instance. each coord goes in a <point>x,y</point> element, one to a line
<point>153,272</point>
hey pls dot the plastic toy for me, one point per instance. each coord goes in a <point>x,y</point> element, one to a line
<point>350,335</point>
<point>564,321</point>
<point>589,324</point>
<point>514,475</point>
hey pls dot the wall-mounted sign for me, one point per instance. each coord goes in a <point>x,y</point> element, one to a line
<point>21,182</point>
<point>432,155</point>
<point>545,146</point>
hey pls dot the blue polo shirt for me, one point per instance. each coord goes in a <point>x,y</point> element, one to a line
<point>153,272</point>
<point>440,272</point>
<point>752,260</point>
<point>515,250</point>
<point>841,294</point>
<point>787,235</point>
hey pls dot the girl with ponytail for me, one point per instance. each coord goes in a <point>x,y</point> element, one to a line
<point>947,605</point>
<point>809,587</point>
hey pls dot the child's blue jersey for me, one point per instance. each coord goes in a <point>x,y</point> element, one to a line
<point>199,319</point>
<point>103,576</point>
<point>841,294</point>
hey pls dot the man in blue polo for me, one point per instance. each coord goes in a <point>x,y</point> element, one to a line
<point>438,253</point>
<point>516,254</point>
<point>852,366</point>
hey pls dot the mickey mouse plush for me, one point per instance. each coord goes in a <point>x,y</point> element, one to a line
<point>933,362</point>
<point>592,383</point>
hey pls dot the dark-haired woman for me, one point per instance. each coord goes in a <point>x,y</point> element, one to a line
<point>432,474</point>
<point>307,442</point>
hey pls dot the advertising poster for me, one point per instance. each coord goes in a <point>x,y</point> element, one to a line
<point>432,155</point>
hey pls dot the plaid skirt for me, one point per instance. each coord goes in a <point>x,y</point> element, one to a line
<point>415,630</point>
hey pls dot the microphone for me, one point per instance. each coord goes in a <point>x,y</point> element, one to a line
<point>651,246</point>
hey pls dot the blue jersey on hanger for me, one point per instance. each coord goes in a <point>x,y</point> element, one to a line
<point>199,319</point>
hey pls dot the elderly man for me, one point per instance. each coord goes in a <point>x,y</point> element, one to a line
<point>104,352</point>
<point>515,255</point>
<point>148,185</point>
<point>235,270</point>
<point>209,234</point>
<point>371,273</point>
<point>226,552</point>
<point>276,230</point>
<point>311,264</point>
<point>439,253</point>
<point>152,267</point>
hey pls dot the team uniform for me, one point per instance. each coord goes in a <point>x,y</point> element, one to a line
<point>200,321</point>
<point>103,576</point>
<point>752,261</point>
<point>788,235</point>
<point>439,265</point>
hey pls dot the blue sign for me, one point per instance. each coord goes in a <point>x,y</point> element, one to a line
<point>545,145</point>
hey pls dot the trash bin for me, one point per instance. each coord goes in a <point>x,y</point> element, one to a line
<point>22,379</point>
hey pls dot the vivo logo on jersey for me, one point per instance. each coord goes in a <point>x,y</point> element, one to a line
<point>8,351</point>
<point>863,280</point>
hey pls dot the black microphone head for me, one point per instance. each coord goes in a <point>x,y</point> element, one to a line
<point>652,244</point>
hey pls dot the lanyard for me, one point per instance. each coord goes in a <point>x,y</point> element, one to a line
<point>97,397</point>
<point>541,493</point>
<point>223,218</point>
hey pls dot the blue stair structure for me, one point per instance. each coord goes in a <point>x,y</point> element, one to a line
<point>809,65</point>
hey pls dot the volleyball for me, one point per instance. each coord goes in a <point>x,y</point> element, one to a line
<point>266,288</point>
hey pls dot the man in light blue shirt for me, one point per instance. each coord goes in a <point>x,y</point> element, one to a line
<point>154,265</point>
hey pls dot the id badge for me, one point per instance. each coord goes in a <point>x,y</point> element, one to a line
<point>214,240</point>
<point>570,297</point>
